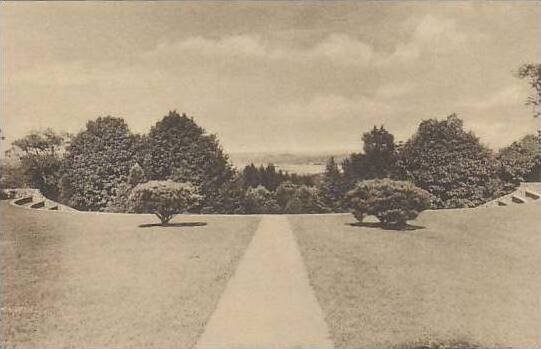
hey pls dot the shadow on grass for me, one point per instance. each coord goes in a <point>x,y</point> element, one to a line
<point>378,225</point>
<point>441,345</point>
<point>174,225</point>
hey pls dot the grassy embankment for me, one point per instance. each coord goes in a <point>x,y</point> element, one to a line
<point>463,275</point>
<point>100,280</point>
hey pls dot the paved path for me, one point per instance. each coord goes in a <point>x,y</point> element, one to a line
<point>268,303</point>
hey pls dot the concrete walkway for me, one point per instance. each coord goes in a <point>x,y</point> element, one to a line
<point>268,303</point>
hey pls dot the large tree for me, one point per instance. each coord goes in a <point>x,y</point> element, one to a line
<point>450,163</point>
<point>97,162</point>
<point>40,155</point>
<point>177,148</point>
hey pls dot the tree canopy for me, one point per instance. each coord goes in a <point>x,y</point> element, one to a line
<point>177,148</point>
<point>40,154</point>
<point>450,163</point>
<point>97,161</point>
<point>377,160</point>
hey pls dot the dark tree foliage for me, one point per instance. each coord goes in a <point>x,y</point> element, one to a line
<point>97,162</point>
<point>304,199</point>
<point>177,148</point>
<point>40,156</point>
<point>121,201</point>
<point>270,178</point>
<point>377,160</point>
<point>299,198</point>
<point>521,161</point>
<point>532,72</point>
<point>332,187</point>
<point>450,163</point>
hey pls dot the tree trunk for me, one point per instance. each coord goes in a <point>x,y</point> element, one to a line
<point>164,218</point>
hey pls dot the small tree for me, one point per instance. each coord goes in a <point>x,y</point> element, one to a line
<point>164,198</point>
<point>332,187</point>
<point>392,202</point>
<point>40,155</point>
<point>136,175</point>
<point>521,161</point>
<point>377,160</point>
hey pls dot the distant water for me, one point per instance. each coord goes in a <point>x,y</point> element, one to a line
<point>292,163</point>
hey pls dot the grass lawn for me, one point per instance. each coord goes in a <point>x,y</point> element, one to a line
<point>467,275</point>
<point>99,280</point>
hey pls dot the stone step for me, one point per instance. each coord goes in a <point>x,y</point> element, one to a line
<point>532,194</point>
<point>39,204</point>
<point>25,200</point>
<point>517,199</point>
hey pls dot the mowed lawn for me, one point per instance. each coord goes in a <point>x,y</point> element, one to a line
<point>99,280</point>
<point>464,275</point>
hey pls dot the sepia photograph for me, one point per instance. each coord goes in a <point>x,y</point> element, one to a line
<point>270,174</point>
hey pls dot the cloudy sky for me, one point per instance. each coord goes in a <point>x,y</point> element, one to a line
<point>270,76</point>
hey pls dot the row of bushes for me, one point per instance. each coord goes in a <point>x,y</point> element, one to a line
<point>392,202</point>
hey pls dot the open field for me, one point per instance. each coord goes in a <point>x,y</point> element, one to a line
<point>100,280</point>
<point>469,275</point>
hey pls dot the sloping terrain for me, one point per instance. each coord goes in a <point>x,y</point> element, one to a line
<point>102,280</point>
<point>471,274</point>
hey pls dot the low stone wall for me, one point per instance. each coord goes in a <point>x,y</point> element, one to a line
<point>525,193</point>
<point>33,199</point>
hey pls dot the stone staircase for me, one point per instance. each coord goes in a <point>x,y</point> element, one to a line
<point>33,199</point>
<point>525,193</point>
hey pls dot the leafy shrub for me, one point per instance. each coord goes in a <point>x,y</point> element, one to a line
<point>305,200</point>
<point>121,200</point>
<point>260,200</point>
<point>450,163</point>
<point>521,161</point>
<point>392,202</point>
<point>164,198</point>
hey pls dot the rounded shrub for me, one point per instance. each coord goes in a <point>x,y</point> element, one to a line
<point>392,202</point>
<point>164,198</point>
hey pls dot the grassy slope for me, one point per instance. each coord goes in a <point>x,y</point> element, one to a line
<point>85,280</point>
<point>468,275</point>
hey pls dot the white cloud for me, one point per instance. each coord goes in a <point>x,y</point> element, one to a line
<point>344,49</point>
<point>333,107</point>
<point>431,35</point>
<point>338,48</point>
<point>392,90</point>
<point>508,96</point>
<point>234,45</point>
